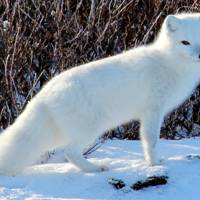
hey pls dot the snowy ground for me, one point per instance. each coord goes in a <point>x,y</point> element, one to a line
<point>60,180</point>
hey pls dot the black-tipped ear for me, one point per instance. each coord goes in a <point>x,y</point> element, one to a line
<point>172,23</point>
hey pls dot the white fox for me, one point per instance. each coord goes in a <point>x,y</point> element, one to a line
<point>77,106</point>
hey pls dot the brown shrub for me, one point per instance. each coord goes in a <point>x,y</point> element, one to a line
<point>39,39</point>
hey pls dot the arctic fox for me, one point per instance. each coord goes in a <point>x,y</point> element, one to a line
<point>77,106</point>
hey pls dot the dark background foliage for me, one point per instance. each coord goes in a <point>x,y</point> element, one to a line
<point>39,39</point>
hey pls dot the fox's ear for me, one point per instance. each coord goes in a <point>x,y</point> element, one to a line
<point>172,23</point>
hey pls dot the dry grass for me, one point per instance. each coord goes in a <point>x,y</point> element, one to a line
<point>39,39</point>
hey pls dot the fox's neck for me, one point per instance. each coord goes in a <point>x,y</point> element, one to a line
<point>187,72</point>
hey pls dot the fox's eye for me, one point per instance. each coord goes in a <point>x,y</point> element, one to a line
<point>184,42</point>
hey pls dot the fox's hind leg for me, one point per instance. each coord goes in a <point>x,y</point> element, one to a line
<point>76,158</point>
<point>76,137</point>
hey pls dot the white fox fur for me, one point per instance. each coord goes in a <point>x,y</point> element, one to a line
<point>77,106</point>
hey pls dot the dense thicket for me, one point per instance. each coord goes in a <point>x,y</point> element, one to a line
<point>39,39</point>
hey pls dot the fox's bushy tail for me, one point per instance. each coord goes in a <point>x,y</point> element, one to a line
<point>22,143</point>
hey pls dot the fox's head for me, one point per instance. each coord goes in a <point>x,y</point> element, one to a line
<point>181,33</point>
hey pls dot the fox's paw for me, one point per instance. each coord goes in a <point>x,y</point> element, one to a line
<point>155,162</point>
<point>95,168</point>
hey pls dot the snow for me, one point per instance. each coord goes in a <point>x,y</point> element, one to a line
<point>58,180</point>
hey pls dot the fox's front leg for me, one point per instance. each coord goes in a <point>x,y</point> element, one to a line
<point>150,132</point>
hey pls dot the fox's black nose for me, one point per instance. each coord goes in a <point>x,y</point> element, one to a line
<point>199,56</point>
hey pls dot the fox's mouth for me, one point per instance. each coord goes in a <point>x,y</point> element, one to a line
<point>193,58</point>
<point>196,60</point>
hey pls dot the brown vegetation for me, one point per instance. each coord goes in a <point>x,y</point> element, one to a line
<point>39,39</point>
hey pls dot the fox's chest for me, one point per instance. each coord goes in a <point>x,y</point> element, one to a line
<point>179,94</point>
